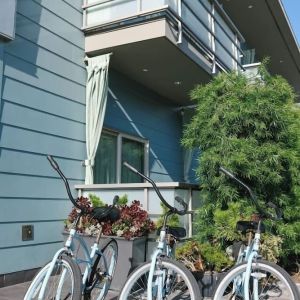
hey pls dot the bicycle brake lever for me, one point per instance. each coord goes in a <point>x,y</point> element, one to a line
<point>181,201</point>
<point>278,211</point>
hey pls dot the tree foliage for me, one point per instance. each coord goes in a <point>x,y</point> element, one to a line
<point>251,127</point>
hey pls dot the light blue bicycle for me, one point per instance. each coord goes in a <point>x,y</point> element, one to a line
<point>162,277</point>
<point>253,278</point>
<point>61,278</point>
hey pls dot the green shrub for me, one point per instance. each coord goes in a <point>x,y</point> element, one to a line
<point>173,220</point>
<point>202,257</point>
<point>251,127</point>
<point>96,201</point>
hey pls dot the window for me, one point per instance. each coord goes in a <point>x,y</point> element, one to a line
<point>113,149</point>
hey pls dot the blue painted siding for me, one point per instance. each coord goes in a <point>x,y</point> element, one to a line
<point>137,111</point>
<point>42,112</point>
<point>1,66</point>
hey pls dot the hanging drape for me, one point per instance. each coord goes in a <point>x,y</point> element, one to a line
<point>96,97</point>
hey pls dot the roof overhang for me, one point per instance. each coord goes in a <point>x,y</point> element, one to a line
<point>266,27</point>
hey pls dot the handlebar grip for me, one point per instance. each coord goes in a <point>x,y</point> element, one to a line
<point>53,162</point>
<point>131,168</point>
<point>278,211</point>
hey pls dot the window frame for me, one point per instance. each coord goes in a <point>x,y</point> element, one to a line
<point>120,135</point>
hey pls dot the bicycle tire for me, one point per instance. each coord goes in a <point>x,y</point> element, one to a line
<point>136,285</point>
<point>71,284</point>
<point>274,283</point>
<point>110,254</point>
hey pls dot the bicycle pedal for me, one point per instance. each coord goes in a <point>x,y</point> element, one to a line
<point>258,275</point>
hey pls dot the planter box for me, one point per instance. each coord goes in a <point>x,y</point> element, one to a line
<point>207,282</point>
<point>131,253</point>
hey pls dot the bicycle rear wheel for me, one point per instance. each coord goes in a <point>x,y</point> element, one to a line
<point>177,282</point>
<point>64,282</point>
<point>273,283</point>
<point>102,272</point>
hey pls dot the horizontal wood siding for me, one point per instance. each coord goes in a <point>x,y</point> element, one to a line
<point>42,112</point>
<point>137,111</point>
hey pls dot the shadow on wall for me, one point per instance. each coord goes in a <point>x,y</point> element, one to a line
<point>138,111</point>
<point>138,132</point>
<point>21,53</point>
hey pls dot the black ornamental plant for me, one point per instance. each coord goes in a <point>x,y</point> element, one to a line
<point>251,127</point>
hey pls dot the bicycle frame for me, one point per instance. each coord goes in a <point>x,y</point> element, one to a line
<point>161,248</point>
<point>69,248</point>
<point>249,255</point>
<point>252,250</point>
<point>252,255</point>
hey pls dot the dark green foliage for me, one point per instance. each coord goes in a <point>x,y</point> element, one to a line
<point>251,127</point>
<point>123,200</point>
<point>202,257</point>
<point>173,220</point>
<point>96,201</point>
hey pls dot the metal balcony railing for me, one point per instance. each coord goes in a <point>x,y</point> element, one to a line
<point>202,21</point>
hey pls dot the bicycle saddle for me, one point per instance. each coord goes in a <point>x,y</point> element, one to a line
<point>177,232</point>
<point>101,214</point>
<point>245,226</point>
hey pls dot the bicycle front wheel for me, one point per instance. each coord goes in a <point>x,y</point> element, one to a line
<point>102,272</point>
<point>171,280</point>
<point>64,282</point>
<point>267,281</point>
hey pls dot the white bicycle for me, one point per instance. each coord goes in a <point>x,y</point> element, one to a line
<point>61,278</point>
<point>163,277</point>
<point>253,278</point>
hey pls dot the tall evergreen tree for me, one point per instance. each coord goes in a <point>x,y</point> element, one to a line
<point>251,127</point>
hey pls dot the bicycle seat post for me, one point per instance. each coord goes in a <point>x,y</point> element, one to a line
<point>250,236</point>
<point>257,237</point>
<point>78,219</point>
<point>99,234</point>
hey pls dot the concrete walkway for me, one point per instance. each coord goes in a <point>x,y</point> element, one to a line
<point>17,292</point>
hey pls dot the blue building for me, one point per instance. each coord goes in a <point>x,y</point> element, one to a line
<point>155,52</point>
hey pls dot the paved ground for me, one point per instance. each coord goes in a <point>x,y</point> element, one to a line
<point>17,292</point>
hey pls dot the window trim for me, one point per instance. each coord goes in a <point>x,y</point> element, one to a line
<point>120,135</point>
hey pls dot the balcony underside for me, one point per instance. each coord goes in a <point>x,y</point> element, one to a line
<point>149,54</point>
<point>265,28</point>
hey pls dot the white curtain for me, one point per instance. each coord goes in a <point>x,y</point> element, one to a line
<point>96,97</point>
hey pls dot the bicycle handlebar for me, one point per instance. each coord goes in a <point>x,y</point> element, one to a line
<point>55,166</point>
<point>251,193</point>
<point>177,198</point>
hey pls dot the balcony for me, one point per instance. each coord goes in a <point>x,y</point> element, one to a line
<point>167,45</point>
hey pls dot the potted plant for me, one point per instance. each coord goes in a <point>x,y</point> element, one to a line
<point>207,262</point>
<point>130,232</point>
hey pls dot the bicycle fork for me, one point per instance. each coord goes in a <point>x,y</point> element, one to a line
<point>159,280</point>
<point>255,276</point>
